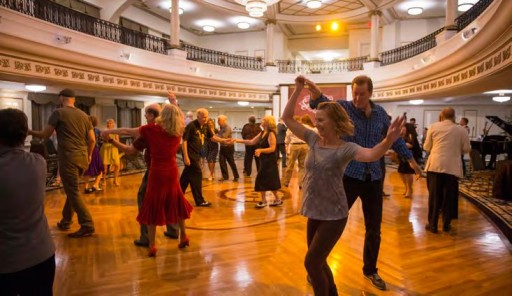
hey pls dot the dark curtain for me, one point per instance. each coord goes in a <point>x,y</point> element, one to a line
<point>85,104</point>
<point>42,107</point>
<point>130,108</point>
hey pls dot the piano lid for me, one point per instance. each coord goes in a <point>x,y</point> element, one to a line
<point>506,126</point>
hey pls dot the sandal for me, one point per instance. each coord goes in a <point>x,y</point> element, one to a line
<point>261,205</point>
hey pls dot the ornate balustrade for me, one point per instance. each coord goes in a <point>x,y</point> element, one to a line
<point>316,67</point>
<point>412,49</point>
<point>469,16</point>
<point>214,57</point>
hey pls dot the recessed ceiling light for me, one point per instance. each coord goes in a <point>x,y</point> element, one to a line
<point>416,102</point>
<point>415,10</point>
<point>180,10</point>
<point>314,4</point>
<point>208,28</point>
<point>335,26</point>
<point>243,25</point>
<point>318,27</point>
<point>243,103</point>
<point>465,5</point>
<point>35,87</point>
<point>501,99</point>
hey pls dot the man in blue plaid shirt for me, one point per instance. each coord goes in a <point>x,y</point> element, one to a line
<point>365,180</point>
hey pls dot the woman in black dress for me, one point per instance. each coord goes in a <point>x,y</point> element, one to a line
<point>404,169</point>
<point>267,178</point>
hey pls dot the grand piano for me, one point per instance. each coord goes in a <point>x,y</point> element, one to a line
<point>495,144</point>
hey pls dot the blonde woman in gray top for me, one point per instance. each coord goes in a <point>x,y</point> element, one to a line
<point>324,202</point>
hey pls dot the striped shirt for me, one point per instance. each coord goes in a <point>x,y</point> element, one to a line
<point>368,132</point>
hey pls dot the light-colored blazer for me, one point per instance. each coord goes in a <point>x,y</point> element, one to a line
<point>446,142</point>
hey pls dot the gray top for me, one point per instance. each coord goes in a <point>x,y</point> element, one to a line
<point>25,239</point>
<point>225,132</point>
<point>323,195</point>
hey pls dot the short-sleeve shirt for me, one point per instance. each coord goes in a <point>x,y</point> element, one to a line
<point>323,195</point>
<point>72,126</point>
<point>195,137</point>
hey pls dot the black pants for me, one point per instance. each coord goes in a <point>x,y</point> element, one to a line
<point>227,153</point>
<point>171,228</point>
<point>249,155</point>
<point>35,280</point>
<point>442,191</point>
<point>193,175</point>
<point>281,149</point>
<point>322,237</point>
<point>370,193</point>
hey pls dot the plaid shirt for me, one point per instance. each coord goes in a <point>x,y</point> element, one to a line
<point>368,132</point>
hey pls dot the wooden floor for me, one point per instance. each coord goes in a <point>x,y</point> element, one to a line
<point>239,250</point>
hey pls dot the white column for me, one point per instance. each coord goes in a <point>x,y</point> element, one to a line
<point>451,14</point>
<point>269,55</point>
<point>374,45</point>
<point>175,24</point>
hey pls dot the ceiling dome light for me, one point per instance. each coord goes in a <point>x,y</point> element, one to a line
<point>465,5</point>
<point>180,10</point>
<point>416,102</point>
<point>415,10</point>
<point>313,4</point>
<point>243,103</point>
<point>35,87</point>
<point>208,28</point>
<point>318,27</point>
<point>501,99</point>
<point>335,26</point>
<point>256,8</point>
<point>243,25</point>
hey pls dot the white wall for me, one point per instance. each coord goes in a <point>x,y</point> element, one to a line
<point>232,43</point>
<point>356,38</point>
<point>310,44</point>
<point>412,30</point>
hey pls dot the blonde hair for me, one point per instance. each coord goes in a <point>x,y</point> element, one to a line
<point>271,122</point>
<point>172,120</point>
<point>342,123</point>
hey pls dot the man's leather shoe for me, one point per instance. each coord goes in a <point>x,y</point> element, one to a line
<point>430,228</point>
<point>140,243</point>
<point>204,204</point>
<point>171,235</point>
<point>82,232</point>
<point>62,226</point>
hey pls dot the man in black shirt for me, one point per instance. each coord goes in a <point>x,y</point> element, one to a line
<point>193,140</point>
<point>249,131</point>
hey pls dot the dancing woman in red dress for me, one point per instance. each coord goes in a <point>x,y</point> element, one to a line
<point>164,202</point>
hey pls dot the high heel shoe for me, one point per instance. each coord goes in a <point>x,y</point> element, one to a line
<point>184,243</point>
<point>152,251</point>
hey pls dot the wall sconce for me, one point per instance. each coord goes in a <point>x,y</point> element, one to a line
<point>469,33</point>
<point>125,56</point>
<point>62,39</point>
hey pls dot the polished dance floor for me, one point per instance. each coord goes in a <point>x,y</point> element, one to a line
<point>236,249</point>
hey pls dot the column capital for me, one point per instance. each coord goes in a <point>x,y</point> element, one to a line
<point>375,12</point>
<point>270,21</point>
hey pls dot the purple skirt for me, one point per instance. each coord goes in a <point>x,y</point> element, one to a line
<point>96,165</point>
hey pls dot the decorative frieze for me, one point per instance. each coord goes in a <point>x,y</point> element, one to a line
<point>472,72</point>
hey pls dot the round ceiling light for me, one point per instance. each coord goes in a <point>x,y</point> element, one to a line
<point>35,87</point>
<point>313,4</point>
<point>208,28</point>
<point>415,10</point>
<point>243,103</point>
<point>243,25</point>
<point>501,99</point>
<point>465,5</point>
<point>318,27</point>
<point>416,102</point>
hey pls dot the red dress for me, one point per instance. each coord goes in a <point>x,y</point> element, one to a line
<point>164,202</point>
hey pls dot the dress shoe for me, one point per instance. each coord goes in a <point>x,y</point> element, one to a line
<point>172,235</point>
<point>376,280</point>
<point>184,243</point>
<point>235,179</point>
<point>447,228</point>
<point>204,204</point>
<point>82,232</point>
<point>430,228</point>
<point>62,226</point>
<point>152,251</point>
<point>141,243</point>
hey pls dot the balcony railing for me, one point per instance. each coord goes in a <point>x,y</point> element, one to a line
<point>75,20</point>
<point>317,67</point>
<point>408,51</point>
<point>219,58</point>
<point>469,16</point>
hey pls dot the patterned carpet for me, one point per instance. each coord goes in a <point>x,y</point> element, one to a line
<point>479,192</point>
